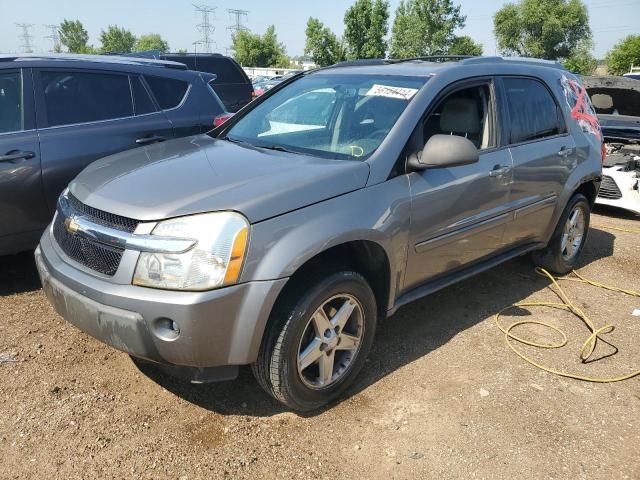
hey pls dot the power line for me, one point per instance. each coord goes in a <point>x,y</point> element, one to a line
<point>25,36</point>
<point>205,28</point>
<point>53,36</point>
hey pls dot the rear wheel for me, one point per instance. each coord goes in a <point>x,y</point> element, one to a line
<point>564,249</point>
<point>317,341</point>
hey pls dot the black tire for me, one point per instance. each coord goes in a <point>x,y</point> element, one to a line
<point>552,257</point>
<point>276,368</point>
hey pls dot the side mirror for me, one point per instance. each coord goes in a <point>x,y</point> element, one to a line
<point>443,151</point>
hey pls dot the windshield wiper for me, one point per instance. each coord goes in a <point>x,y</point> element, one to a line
<point>277,148</point>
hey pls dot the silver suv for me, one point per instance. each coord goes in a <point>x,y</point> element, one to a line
<point>281,238</point>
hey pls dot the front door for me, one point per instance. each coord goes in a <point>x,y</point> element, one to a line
<point>458,214</point>
<point>23,214</point>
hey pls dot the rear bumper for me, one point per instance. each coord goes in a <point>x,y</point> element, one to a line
<point>217,328</point>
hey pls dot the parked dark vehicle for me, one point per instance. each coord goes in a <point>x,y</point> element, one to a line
<point>231,83</point>
<point>59,113</point>
<point>284,236</point>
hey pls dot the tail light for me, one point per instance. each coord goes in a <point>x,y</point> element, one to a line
<point>603,152</point>
<point>220,119</point>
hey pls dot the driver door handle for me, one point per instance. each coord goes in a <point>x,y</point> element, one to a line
<point>152,139</point>
<point>499,171</point>
<point>566,152</point>
<point>16,155</point>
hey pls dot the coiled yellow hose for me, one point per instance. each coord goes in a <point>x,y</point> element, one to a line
<point>590,343</point>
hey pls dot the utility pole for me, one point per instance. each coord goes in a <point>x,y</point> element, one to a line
<point>26,36</point>
<point>205,27</point>
<point>54,37</point>
<point>238,15</point>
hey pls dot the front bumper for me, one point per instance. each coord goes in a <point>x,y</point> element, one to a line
<point>624,190</point>
<point>208,329</point>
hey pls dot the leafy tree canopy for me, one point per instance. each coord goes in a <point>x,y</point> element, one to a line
<point>624,55</point>
<point>255,50</point>
<point>117,40</point>
<point>322,45</point>
<point>366,24</point>
<point>581,60</point>
<point>151,41</point>
<point>550,29</point>
<point>424,27</point>
<point>465,45</point>
<point>74,36</point>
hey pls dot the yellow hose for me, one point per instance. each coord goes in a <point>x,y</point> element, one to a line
<point>590,343</point>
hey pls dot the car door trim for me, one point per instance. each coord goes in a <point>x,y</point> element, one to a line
<point>535,206</point>
<point>462,232</point>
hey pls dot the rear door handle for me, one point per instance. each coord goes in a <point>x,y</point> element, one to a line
<point>152,139</point>
<point>16,155</point>
<point>565,152</point>
<point>499,171</point>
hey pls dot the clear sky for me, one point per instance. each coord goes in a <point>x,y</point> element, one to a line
<point>175,20</point>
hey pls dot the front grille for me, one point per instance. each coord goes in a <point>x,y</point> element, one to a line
<point>97,256</point>
<point>101,217</point>
<point>609,189</point>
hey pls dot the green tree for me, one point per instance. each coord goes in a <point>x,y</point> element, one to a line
<point>322,45</point>
<point>550,29</point>
<point>581,60</point>
<point>152,41</point>
<point>424,27</point>
<point>182,50</point>
<point>624,55</point>
<point>74,36</point>
<point>117,40</point>
<point>255,50</point>
<point>464,45</point>
<point>366,24</point>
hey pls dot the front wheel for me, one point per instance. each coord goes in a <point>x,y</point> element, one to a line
<point>318,341</point>
<point>563,251</point>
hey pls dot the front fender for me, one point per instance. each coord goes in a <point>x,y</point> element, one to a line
<point>381,213</point>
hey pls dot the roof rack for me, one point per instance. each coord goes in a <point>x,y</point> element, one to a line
<point>362,62</point>
<point>434,58</point>
<point>122,60</point>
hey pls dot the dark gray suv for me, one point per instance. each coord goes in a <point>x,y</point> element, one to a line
<point>281,238</point>
<point>58,113</point>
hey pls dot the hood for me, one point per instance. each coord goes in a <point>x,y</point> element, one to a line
<point>202,174</point>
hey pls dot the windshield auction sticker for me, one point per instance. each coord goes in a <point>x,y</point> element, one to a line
<point>402,93</point>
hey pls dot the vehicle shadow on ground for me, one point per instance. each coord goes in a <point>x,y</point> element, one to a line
<point>615,212</point>
<point>413,332</point>
<point>18,274</point>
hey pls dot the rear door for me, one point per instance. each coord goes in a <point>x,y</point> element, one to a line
<point>84,115</point>
<point>23,213</point>
<point>543,156</point>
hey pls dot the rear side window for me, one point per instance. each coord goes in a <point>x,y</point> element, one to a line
<point>169,92</point>
<point>533,112</point>
<point>80,97</point>
<point>11,119</point>
<point>141,99</point>
<point>226,70</point>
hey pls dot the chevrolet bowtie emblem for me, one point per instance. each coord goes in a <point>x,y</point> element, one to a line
<point>71,225</point>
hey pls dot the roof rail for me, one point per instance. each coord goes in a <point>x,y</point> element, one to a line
<point>122,60</point>
<point>434,58</point>
<point>520,60</point>
<point>362,62</point>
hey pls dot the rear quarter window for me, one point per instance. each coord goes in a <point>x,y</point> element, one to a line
<point>226,70</point>
<point>533,113</point>
<point>169,92</point>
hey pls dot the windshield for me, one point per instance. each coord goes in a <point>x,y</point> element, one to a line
<point>333,116</point>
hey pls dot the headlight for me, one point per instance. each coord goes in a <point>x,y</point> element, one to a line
<point>214,261</point>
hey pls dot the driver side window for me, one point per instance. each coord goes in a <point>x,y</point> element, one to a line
<point>466,113</point>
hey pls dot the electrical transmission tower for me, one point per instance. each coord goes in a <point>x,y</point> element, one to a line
<point>54,37</point>
<point>26,36</point>
<point>205,27</point>
<point>238,15</point>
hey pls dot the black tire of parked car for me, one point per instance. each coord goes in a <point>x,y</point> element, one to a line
<point>276,368</point>
<point>551,257</point>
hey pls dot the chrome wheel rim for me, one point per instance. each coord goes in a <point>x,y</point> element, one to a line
<point>573,234</point>
<point>330,341</point>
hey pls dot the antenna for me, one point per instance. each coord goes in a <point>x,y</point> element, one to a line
<point>205,28</point>
<point>26,36</point>
<point>238,14</point>
<point>54,37</point>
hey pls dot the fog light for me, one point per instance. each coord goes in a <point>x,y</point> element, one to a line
<point>166,329</point>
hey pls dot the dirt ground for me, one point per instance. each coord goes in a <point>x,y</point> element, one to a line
<point>441,397</point>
